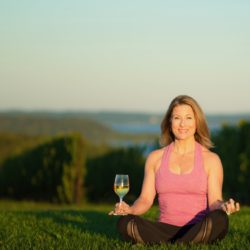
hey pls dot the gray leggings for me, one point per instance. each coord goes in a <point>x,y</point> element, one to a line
<point>213,227</point>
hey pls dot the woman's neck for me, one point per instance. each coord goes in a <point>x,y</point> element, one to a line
<point>182,147</point>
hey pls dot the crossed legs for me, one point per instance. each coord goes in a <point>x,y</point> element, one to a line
<point>213,227</point>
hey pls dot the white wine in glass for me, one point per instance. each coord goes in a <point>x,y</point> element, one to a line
<point>121,185</point>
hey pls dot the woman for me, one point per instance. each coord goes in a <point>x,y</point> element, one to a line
<point>187,178</point>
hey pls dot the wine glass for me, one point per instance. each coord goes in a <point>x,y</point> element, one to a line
<point>121,185</point>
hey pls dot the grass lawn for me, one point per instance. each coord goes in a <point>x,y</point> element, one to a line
<point>27,225</point>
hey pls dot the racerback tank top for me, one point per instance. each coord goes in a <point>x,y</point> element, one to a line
<point>182,197</point>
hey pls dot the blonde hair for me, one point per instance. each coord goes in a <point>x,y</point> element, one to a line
<point>202,134</point>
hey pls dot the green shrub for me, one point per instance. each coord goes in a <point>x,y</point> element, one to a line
<point>233,146</point>
<point>52,171</point>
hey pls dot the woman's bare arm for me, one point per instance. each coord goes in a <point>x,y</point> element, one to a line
<point>148,192</point>
<point>215,181</point>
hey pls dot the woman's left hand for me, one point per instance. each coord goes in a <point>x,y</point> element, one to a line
<point>230,206</point>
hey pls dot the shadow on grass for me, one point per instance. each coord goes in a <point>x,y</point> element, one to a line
<point>84,221</point>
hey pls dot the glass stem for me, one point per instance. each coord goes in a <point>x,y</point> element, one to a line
<point>120,200</point>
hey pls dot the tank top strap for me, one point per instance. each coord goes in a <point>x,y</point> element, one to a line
<point>166,154</point>
<point>198,157</point>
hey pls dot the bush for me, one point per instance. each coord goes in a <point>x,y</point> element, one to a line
<point>52,171</point>
<point>233,146</point>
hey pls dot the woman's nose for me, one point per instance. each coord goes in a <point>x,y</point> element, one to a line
<point>182,122</point>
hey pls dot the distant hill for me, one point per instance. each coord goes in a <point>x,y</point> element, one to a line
<point>35,124</point>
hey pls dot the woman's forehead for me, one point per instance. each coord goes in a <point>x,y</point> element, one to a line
<point>183,108</point>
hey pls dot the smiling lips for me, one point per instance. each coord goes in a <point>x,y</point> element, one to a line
<point>182,131</point>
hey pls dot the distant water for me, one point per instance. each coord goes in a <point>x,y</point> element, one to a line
<point>140,128</point>
<point>136,128</point>
<point>150,123</point>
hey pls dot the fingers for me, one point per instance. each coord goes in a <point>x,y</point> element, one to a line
<point>111,213</point>
<point>237,206</point>
<point>225,208</point>
<point>120,209</point>
<point>231,206</point>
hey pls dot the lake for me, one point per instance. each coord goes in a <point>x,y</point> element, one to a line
<point>140,128</point>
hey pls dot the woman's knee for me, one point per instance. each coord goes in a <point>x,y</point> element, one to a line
<point>220,224</point>
<point>128,229</point>
<point>123,222</point>
<point>220,218</point>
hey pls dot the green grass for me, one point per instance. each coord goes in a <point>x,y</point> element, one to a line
<point>27,225</point>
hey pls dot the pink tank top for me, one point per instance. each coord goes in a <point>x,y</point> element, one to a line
<point>182,198</point>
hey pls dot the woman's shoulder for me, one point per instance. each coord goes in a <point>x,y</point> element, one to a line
<point>154,158</point>
<point>208,155</point>
<point>155,154</point>
<point>211,159</point>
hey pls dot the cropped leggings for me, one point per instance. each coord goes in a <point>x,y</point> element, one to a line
<point>213,227</point>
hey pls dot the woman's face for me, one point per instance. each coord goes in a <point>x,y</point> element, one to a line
<point>183,122</point>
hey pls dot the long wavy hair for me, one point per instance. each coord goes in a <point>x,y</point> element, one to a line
<point>202,134</point>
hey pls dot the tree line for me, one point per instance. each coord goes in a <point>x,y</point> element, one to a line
<point>69,169</point>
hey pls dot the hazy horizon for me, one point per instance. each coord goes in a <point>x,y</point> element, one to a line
<point>118,112</point>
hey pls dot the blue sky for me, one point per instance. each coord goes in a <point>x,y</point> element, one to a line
<point>124,55</point>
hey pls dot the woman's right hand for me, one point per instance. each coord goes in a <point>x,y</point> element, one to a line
<point>121,209</point>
